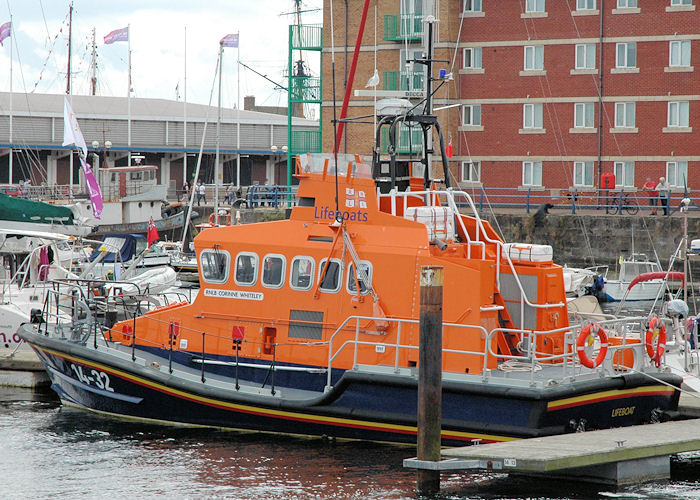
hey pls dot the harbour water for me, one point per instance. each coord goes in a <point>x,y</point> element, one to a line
<point>48,451</point>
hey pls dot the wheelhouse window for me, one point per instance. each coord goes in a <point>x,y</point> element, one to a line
<point>246,269</point>
<point>301,273</point>
<point>329,276</point>
<point>273,269</point>
<point>366,269</point>
<point>214,265</point>
<point>624,174</point>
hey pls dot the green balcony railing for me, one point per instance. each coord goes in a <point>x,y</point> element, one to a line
<point>306,141</point>
<point>398,28</point>
<point>402,80</point>
<point>409,140</point>
<point>307,37</point>
<point>306,89</point>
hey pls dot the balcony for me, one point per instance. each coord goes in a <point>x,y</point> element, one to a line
<point>398,28</point>
<point>402,80</point>
<point>410,140</point>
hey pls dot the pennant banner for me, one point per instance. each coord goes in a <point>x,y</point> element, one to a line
<point>93,189</point>
<point>152,235</point>
<point>71,130</point>
<point>230,40</point>
<point>120,35</point>
<point>5,30</point>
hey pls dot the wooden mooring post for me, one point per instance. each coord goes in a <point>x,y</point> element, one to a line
<point>430,376</point>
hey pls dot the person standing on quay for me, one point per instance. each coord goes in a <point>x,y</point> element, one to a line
<point>201,193</point>
<point>650,187</point>
<point>664,192</point>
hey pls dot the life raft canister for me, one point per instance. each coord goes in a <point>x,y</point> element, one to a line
<point>585,339</point>
<point>655,331</point>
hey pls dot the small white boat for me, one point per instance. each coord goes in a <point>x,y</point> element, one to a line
<point>617,289</point>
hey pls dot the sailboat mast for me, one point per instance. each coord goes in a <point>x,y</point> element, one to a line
<point>70,28</point>
<point>218,138</point>
<point>93,66</point>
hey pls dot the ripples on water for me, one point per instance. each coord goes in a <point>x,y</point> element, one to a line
<point>47,451</point>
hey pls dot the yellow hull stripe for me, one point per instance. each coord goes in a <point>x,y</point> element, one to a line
<point>650,390</point>
<point>307,417</point>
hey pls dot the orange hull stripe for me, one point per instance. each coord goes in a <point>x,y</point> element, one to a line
<point>652,390</point>
<point>287,415</point>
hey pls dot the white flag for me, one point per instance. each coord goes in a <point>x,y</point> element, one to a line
<point>71,130</point>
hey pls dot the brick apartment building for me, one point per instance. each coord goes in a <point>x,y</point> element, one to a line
<point>552,93</point>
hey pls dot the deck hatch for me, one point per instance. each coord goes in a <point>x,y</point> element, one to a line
<point>305,324</point>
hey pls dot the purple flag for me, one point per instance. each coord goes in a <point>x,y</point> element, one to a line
<point>93,188</point>
<point>5,30</point>
<point>120,35</point>
<point>230,40</point>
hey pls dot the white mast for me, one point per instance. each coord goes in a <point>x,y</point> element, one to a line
<point>238,115</point>
<point>218,139</point>
<point>128,94</point>
<point>12,37</point>
<point>184,121</point>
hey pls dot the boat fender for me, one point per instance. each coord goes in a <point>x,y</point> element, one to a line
<point>656,330</point>
<point>585,339</point>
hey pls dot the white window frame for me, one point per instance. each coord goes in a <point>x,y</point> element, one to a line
<point>623,174</point>
<point>469,110</point>
<point>583,170</point>
<point>533,112</point>
<point>473,167</point>
<point>587,49</point>
<point>284,270</point>
<point>472,51</point>
<point>532,6</point>
<point>627,4</point>
<point>680,121</point>
<point>585,4</point>
<point>340,275</point>
<point>623,62</point>
<point>582,110</point>
<point>255,274</point>
<point>622,120</point>
<point>472,5</point>
<point>679,61</point>
<point>535,178</point>
<point>678,3</point>
<point>531,52</point>
<point>311,274</point>
<point>369,276</point>
<point>228,265</point>
<point>674,181</point>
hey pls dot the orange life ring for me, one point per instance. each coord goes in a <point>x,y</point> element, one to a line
<point>226,217</point>
<point>655,330</point>
<point>586,337</point>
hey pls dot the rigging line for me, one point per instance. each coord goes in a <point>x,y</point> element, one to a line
<point>338,216</point>
<point>459,35</point>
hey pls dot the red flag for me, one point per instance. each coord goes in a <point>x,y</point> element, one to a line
<point>448,150</point>
<point>152,233</point>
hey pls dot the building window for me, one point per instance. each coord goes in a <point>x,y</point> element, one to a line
<point>681,2</point>
<point>472,58</point>
<point>584,115</point>
<point>246,269</point>
<point>585,4</point>
<point>301,275</point>
<point>471,171</point>
<point>624,114</point>
<point>626,55</point>
<point>214,265</point>
<point>532,173</point>
<point>472,5</point>
<point>471,114</point>
<point>624,174</point>
<point>329,275</point>
<point>583,173</point>
<point>534,6</point>
<point>626,4</point>
<point>678,114</point>
<point>677,173</point>
<point>273,269</point>
<point>532,115</point>
<point>585,56</point>
<point>679,53</point>
<point>366,268</point>
<point>534,58</point>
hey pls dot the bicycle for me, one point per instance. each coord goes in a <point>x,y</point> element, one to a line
<point>623,201</point>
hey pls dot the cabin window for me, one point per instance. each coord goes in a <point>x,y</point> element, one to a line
<point>214,265</point>
<point>366,268</point>
<point>330,277</point>
<point>246,269</point>
<point>302,271</point>
<point>273,269</point>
